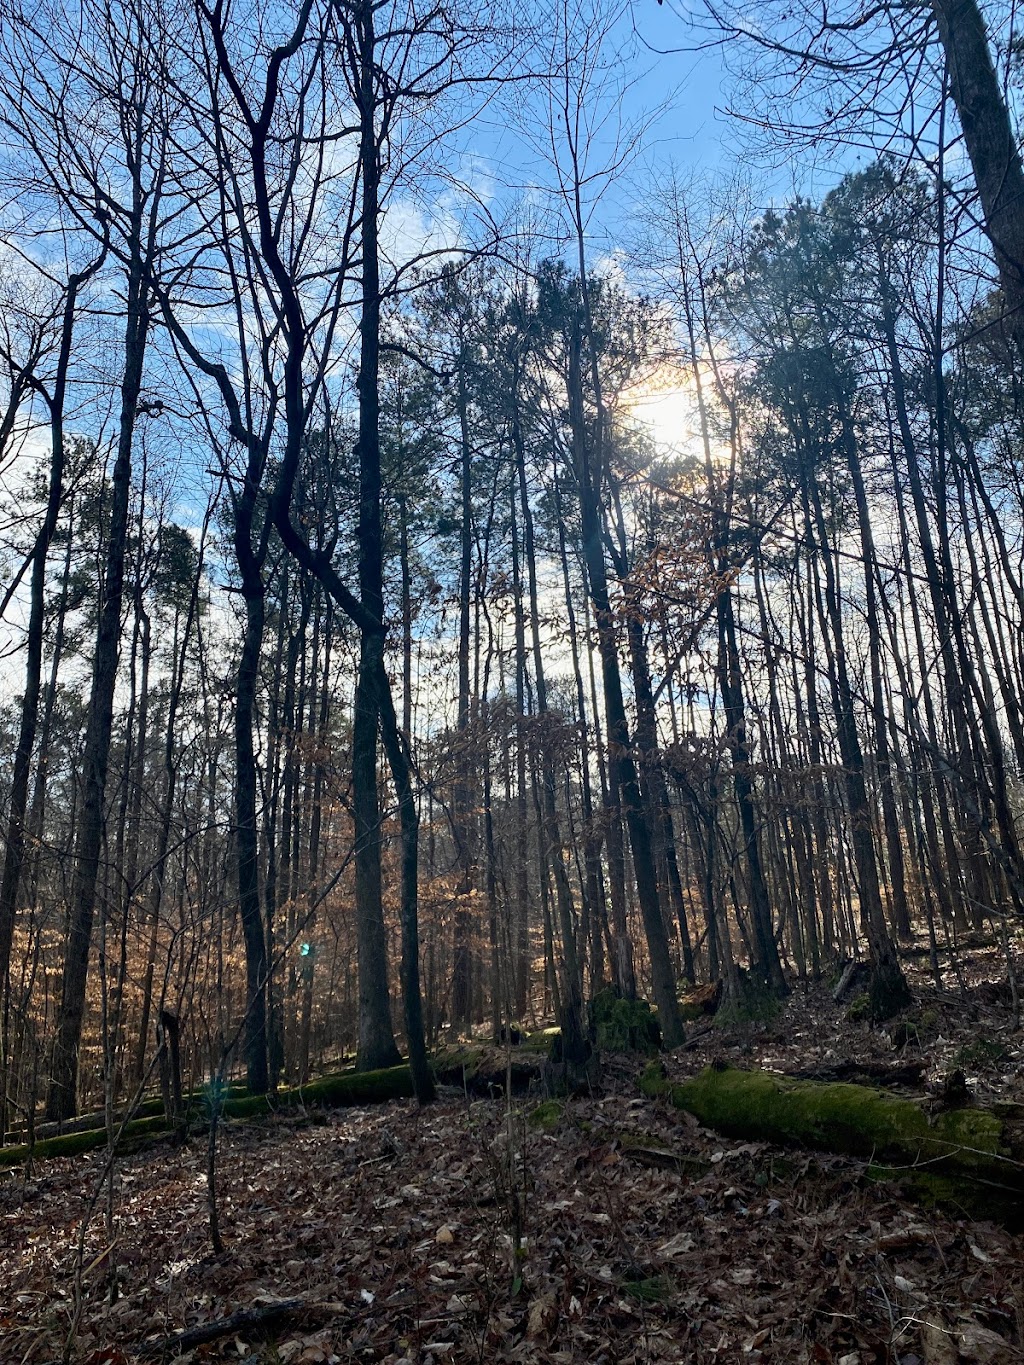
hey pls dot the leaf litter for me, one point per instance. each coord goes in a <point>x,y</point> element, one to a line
<point>397,1230</point>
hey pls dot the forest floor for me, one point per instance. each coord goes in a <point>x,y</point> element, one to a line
<point>644,1237</point>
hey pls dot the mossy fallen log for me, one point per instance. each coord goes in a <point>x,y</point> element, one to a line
<point>343,1089</point>
<point>151,1107</point>
<point>72,1144</point>
<point>972,1157</point>
<point>483,1070</point>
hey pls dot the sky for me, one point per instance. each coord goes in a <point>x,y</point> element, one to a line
<point>678,87</point>
<point>667,84</point>
<point>695,127</point>
<point>674,92</point>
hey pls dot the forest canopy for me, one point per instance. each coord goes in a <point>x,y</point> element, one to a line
<point>456,561</point>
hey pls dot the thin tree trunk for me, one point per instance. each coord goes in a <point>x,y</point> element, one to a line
<point>14,856</point>
<point>63,1093</point>
<point>622,766</point>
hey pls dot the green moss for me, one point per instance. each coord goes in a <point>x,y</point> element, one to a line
<point>690,1011</point>
<point>620,1025</point>
<point>913,1030</point>
<point>976,1200</point>
<point>73,1144</point>
<point>655,1289</point>
<point>652,1080</point>
<point>357,1087</point>
<point>452,1062</point>
<point>976,1131</point>
<point>853,1120</point>
<point>153,1107</point>
<point>860,1009</point>
<point>345,1088</point>
<point>756,1003</point>
<point>546,1116</point>
<point>934,1191</point>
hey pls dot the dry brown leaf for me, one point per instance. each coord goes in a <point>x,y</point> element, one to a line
<point>982,1346</point>
<point>938,1344</point>
<point>541,1316</point>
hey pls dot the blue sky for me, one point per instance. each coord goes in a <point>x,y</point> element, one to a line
<point>676,81</point>
<point>667,82</point>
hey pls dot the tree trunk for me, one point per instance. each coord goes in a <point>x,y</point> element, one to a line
<point>376,1037</point>
<point>246,836</point>
<point>14,857</point>
<point>463,821</point>
<point>622,766</point>
<point>889,990</point>
<point>62,1098</point>
<point>991,146</point>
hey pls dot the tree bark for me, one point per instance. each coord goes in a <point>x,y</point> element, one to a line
<point>376,1037</point>
<point>991,146</point>
<point>62,1097</point>
<point>621,763</point>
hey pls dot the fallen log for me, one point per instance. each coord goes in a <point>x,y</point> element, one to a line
<point>151,1107</point>
<point>879,1073</point>
<point>245,1320</point>
<point>482,1071</point>
<point>660,1158</point>
<point>72,1144</point>
<point>485,1070</point>
<point>970,1157</point>
<point>345,1089</point>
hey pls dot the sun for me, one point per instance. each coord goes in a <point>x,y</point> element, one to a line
<point>666,404</point>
